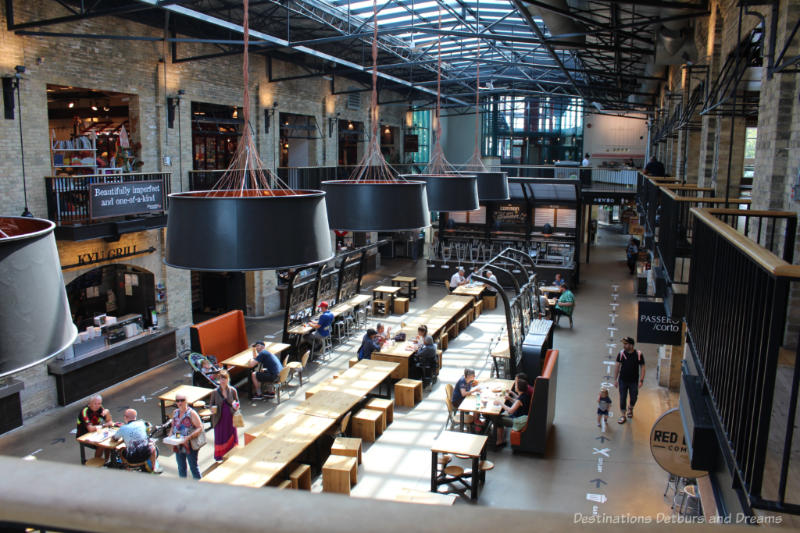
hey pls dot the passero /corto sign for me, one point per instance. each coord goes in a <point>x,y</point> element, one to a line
<point>655,327</point>
<point>668,445</point>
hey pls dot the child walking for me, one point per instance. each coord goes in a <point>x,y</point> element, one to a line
<point>603,403</point>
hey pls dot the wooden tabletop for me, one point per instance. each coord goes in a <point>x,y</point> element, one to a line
<point>101,438</point>
<point>256,464</point>
<point>300,329</point>
<point>191,393</point>
<point>359,299</point>
<point>330,404</point>
<point>404,279</point>
<point>398,349</point>
<point>341,309</point>
<point>550,288</point>
<point>459,443</point>
<point>292,425</point>
<point>470,403</point>
<point>470,290</point>
<point>242,359</point>
<point>386,289</point>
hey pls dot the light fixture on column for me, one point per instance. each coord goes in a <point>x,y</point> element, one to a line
<point>332,121</point>
<point>19,70</point>
<point>269,112</point>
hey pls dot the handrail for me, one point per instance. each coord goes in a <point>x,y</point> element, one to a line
<point>709,200</point>
<point>770,262</point>
<point>750,212</point>
<point>686,187</point>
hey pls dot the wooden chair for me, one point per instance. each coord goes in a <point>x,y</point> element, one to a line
<point>282,382</point>
<point>341,429</point>
<point>451,409</point>
<point>447,284</point>
<point>297,367</point>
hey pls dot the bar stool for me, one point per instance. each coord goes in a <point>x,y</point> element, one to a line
<point>327,346</point>
<point>689,500</point>
<point>340,330</point>
<point>351,324</point>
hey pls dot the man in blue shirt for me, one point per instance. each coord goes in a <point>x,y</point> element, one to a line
<point>270,369</point>
<point>322,327</point>
<point>138,448</point>
<point>463,387</point>
<point>369,344</point>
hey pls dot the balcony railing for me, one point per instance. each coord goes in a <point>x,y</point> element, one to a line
<point>736,318</point>
<point>68,200</point>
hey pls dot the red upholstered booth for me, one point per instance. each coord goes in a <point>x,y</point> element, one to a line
<point>533,437</point>
<point>222,336</point>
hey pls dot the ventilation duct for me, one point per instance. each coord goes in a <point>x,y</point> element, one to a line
<point>558,24</point>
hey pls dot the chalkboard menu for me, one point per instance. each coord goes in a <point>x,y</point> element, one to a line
<point>510,215</point>
<point>131,198</point>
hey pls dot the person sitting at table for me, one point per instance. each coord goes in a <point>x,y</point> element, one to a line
<point>488,275</point>
<point>464,387</point>
<point>369,344</point>
<point>544,309</point>
<point>457,279</point>
<point>514,391</point>
<point>93,417</point>
<point>565,305</point>
<point>475,272</point>
<point>138,446</point>
<point>383,334</point>
<point>322,327</point>
<point>559,281</point>
<point>422,332</point>
<point>270,369</point>
<point>518,407</point>
<point>426,358</point>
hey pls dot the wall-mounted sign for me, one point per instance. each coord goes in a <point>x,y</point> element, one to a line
<point>655,327</point>
<point>130,198</point>
<point>668,445</point>
<point>510,214</point>
<point>102,256</point>
<point>411,143</point>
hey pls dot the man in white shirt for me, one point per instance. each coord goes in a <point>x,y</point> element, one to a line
<point>586,162</point>
<point>491,290</point>
<point>457,279</point>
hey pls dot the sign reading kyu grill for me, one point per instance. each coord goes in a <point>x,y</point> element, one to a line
<point>120,199</point>
<point>655,327</point>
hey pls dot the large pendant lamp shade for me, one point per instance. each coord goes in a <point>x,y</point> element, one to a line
<point>35,320</point>
<point>377,205</point>
<point>250,229</point>
<point>450,192</point>
<point>492,186</point>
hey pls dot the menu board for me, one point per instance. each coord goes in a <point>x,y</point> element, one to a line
<point>510,214</point>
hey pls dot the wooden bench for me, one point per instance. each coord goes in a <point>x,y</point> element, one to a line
<point>339,473</point>
<point>408,392</point>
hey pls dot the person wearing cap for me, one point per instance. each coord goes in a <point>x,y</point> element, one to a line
<point>369,344</point>
<point>270,370</point>
<point>457,279</point>
<point>629,376</point>
<point>322,326</point>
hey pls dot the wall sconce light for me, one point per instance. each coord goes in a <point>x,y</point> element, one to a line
<point>268,114</point>
<point>350,125</point>
<point>332,124</point>
<point>94,106</point>
<point>172,103</point>
<point>235,113</point>
<point>387,130</point>
<point>286,145</point>
<point>71,105</point>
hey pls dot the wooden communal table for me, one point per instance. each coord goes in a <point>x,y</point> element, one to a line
<point>193,394</point>
<point>391,292</point>
<point>457,443</point>
<point>475,291</point>
<point>492,392</point>
<point>440,315</point>
<point>103,439</point>
<point>242,359</point>
<point>397,352</point>
<point>277,443</point>
<point>408,282</point>
<point>550,289</point>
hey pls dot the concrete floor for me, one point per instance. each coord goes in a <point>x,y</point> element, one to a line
<point>563,480</point>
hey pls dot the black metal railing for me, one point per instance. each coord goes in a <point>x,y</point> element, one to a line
<point>736,317</point>
<point>68,196</point>
<point>774,230</point>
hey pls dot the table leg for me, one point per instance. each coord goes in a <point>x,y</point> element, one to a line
<point>483,458</point>
<point>462,421</point>
<point>163,412</point>
<point>475,476</point>
<point>434,471</point>
<point>83,453</point>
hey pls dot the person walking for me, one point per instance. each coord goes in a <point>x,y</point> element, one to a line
<point>632,252</point>
<point>629,376</point>
<point>224,402</point>
<point>186,424</point>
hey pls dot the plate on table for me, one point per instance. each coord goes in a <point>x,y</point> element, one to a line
<point>497,388</point>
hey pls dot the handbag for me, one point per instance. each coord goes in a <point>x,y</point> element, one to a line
<point>199,441</point>
<point>238,419</point>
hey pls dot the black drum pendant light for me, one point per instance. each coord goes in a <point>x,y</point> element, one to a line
<point>450,192</point>
<point>374,199</point>
<point>492,186</point>
<point>35,320</point>
<point>246,223</point>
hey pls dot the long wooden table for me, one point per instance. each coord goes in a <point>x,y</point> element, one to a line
<point>242,359</point>
<point>192,394</point>
<point>491,392</point>
<point>440,315</point>
<point>396,352</point>
<point>277,443</point>
<point>102,438</point>
<point>474,291</point>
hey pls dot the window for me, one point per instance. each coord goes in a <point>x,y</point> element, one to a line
<point>750,137</point>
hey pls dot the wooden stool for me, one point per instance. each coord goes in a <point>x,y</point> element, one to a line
<point>339,473</point>
<point>477,307</point>
<point>348,447</point>
<point>400,306</point>
<point>380,307</point>
<point>490,302</point>
<point>367,424</point>
<point>443,341</point>
<point>463,322</point>
<point>408,392</point>
<point>301,477</point>
<point>285,484</point>
<point>353,361</point>
<point>381,404</point>
<point>95,461</point>
<point>452,331</point>
<point>439,357</point>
